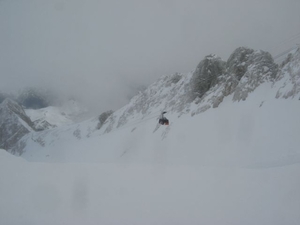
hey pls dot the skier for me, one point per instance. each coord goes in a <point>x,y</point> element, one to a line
<point>163,120</point>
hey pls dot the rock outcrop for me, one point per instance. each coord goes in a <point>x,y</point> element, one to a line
<point>251,68</point>
<point>206,75</point>
<point>289,77</point>
<point>14,125</point>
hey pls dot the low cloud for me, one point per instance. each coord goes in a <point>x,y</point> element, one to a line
<point>102,51</point>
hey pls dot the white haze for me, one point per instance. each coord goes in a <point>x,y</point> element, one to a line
<point>99,50</point>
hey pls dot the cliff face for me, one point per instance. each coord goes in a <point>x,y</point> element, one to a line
<point>14,125</point>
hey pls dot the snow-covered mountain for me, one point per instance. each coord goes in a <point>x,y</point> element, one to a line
<point>247,90</point>
<point>231,154</point>
<point>16,122</point>
<point>65,114</point>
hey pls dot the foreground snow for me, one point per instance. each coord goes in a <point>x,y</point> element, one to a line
<point>74,193</point>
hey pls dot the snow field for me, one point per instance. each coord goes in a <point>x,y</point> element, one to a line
<point>116,193</point>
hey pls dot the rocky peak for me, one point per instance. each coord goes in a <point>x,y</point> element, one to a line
<point>206,74</point>
<point>239,61</point>
<point>17,109</point>
<point>14,123</point>
<point>242,58</point>
<point>250,68</point>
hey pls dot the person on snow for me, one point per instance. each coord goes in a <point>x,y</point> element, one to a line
<point>163,120</point>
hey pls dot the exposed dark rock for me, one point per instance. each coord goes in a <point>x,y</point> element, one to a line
<point>175,78</point>
<point>103,117</point>
<point>206,74</point>
<point>14,124</point>
<point>239,61</point>
<point>251,68</point>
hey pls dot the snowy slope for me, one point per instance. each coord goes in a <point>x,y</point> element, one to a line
<point>231,156</point>
<point>262,130</point>
<point>87,193</point>
<point>14,124</point>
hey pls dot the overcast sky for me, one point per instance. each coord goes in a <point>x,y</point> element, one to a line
<point>100,48</point>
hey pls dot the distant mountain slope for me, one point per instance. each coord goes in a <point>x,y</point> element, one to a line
<point>66,114</point>
<point>247,116</point>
